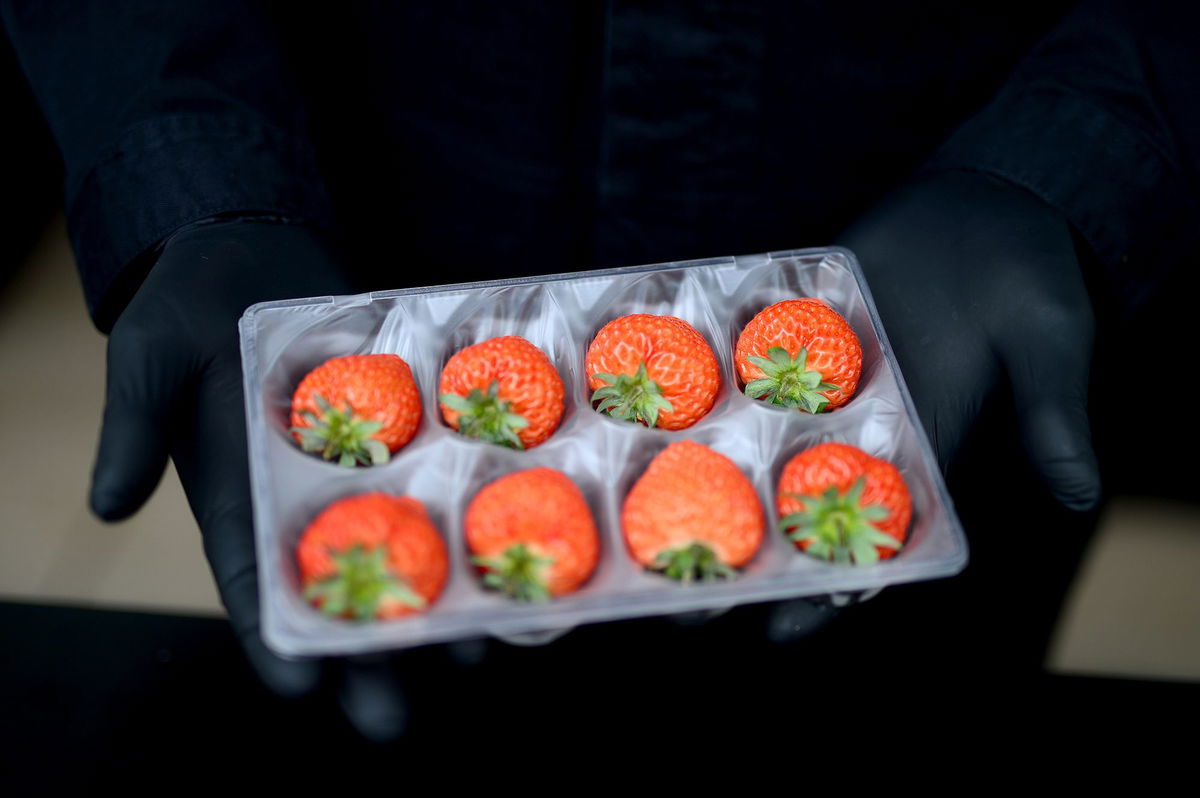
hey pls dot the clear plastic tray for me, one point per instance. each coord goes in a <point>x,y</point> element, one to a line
<point>282,341</point>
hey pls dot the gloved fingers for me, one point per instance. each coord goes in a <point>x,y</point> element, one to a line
<point>209,449</point>
<point>175,384</point>
<point>945,357</point>
<point>790,621</point>
<point>1050,390</point>
<point>229,546</point>
<point>372,698</point>
<point>143,382</point>
<point>949,386</point>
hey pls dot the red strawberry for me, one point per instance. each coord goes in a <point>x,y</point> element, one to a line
<point>799,353</point>
<point>504,390</point>
<point>356,409</point>
<point>372,556</point>
<point>533,533</point>
<point>839,503</point>
<point>692,514</point>
<point>654,369</point>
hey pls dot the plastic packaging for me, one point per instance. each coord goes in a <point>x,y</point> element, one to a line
<point>282,341</point>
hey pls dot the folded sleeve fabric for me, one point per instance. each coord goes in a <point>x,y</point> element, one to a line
<point>164,113</point>
<point>1100,121</point>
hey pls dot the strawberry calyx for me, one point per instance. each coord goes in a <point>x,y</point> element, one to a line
<point>788,382</point>
<point>360,581</point>
<point>341,435</point>
<point>519,572</point>
<point>837,527</point>
<point>631,397</point>
<point>695,562</point>
<point>486,416</point>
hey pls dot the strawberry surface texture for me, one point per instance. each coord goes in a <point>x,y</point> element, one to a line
<point>503,390</point>
<point>692,514</point>
<point>356,409</point>
<point>372,556</point>
<point>533,534</point>
<point>799,353</point>
<point>839,503</point>
<point>657,370</point>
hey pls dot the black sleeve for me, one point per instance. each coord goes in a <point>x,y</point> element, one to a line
<point>1101,120</point>
<point>164,113</point>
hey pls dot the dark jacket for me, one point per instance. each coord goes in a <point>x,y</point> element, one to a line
<point>451,141</point>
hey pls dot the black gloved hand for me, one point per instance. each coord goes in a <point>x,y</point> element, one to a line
<point>175,386</point>
<point>976,278</point>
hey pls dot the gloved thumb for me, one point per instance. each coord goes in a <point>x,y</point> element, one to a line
<point>1050,390</point>
<point>1058,441</point>
<point>132,453</point>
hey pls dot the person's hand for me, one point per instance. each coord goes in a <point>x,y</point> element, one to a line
<point>976,280</point>
<point>175,387</point>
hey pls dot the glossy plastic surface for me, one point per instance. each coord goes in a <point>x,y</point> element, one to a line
<point>282,341</point>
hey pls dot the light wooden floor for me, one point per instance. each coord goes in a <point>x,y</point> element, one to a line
<point>1134,611</point>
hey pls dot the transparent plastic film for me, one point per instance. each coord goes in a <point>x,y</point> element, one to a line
<point>603,456</point>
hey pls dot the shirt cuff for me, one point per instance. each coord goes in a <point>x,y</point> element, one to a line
<point>1112,182</point>
<point>169,171</point>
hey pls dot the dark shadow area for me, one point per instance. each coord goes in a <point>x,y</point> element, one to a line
<point>1145,433</point>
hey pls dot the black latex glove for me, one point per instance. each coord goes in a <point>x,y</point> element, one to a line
<point>175,387</point>
<point>977,279</point>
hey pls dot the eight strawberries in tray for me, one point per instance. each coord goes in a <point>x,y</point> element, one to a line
<point>692,515</point>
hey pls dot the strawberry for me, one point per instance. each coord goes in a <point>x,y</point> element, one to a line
<point>503,390</point>
<point>533,534</point>
<point>372,556</point>
<point>356,409</point>
<point>692,515</point>
<point>657,370</point>
<point>799,353</point>
<point>837,502</point>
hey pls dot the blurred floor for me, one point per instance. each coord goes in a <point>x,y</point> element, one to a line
<point>1134,611</point>
<point>53,550</point>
